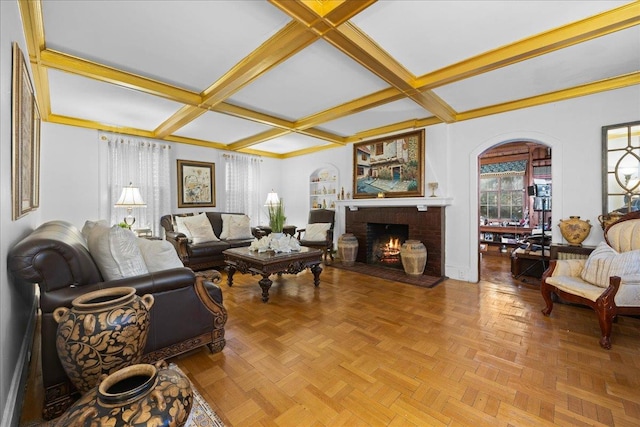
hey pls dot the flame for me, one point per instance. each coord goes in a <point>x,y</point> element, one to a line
<point>394,244</point>
<point>392,247</point>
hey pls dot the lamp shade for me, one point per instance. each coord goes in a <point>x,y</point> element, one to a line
<point>272,199</point>
<point>130,198</point>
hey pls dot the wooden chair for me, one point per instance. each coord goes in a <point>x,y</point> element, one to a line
<point>319,216</point>
<point>620,296</point>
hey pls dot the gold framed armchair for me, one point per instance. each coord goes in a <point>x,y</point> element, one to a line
<point>608,281</point>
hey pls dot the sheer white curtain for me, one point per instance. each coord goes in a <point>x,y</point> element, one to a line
<point>242,178</point>
<point>145,164</point>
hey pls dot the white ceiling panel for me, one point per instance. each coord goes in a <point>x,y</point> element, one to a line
<point>315,79</point>
<point>393,112</point>
<point>195,44</point>
<point>428,35</point>
<point>221,128</point>
<point>597,59</point>
<point>88,99</point>
<point>186,43</point>
<point>291,142</point>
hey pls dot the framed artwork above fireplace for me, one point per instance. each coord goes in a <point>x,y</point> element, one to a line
<point>389,167</point>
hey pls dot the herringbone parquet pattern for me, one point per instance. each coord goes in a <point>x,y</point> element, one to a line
<point>360,351</point>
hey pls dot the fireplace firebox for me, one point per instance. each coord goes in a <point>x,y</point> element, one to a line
<point>426,226</point>
<point>384,242</point>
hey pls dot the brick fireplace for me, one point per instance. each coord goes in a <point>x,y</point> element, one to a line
<point>426,226</point>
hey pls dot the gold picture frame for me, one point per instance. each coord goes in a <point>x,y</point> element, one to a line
<point>196,184</point>
<point>25,139</point>
<point>389,167</point>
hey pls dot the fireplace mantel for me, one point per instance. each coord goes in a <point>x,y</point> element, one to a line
<point>421,203</point>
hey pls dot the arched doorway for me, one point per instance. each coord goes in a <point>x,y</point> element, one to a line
<point>514,207</point>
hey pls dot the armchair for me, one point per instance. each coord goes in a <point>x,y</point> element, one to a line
<point>319,232</point>
<point>608,281</point>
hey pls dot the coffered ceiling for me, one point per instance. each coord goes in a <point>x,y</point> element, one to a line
<point>288,77</point>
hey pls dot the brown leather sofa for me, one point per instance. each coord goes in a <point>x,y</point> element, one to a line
<point>187,311</point>
<point>201,256</point>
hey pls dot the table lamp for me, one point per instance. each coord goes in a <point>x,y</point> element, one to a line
<point>130,198</point>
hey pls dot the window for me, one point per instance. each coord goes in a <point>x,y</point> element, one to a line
<point>502,197</point>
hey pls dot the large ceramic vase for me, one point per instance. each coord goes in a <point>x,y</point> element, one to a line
<point>413,255</point>
<point>348,249</point>
<point>138,395</point>
<point>574,230</point>
<point>104,331</point>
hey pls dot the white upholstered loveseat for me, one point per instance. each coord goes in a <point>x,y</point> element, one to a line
<point>608,281</point>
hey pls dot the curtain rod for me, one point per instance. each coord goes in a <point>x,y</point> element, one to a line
<point>238,154</point>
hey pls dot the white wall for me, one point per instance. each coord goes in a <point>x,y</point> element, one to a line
<point>17,303</point>
<point>74,172</point>
<point>572,128</point>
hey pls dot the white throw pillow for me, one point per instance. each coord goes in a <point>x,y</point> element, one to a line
<point>200,228</point>
<point>239,227</point>
<point>89,225</point>
<point>240,223</point>
<point>180,227</point>
<point>316,232</point>
<point>605,262</point>
<point>158,255</point>
<point>116,252</point>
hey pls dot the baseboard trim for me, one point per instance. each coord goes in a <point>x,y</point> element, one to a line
<point>13,407</point>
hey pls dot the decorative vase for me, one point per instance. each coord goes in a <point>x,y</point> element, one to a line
<point>413,255</point>
<point>574,230</point>
<point>348,248</point>
<point>610,218</point>
<point>104,331</point>
<point>136,395</point>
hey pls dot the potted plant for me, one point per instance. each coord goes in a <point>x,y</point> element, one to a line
<point>276,216</point>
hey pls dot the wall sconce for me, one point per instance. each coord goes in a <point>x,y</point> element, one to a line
<point>130,198</point>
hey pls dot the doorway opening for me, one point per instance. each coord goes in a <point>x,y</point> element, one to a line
<point>514,217</point>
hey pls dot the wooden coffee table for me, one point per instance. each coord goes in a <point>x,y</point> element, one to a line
<point>268,263</point>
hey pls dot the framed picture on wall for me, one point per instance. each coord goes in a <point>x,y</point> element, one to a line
<point>196,184</point>
<point>389,167</point>
<point>25,139</point>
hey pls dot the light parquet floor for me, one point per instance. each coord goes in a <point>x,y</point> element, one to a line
<point>363,351</point>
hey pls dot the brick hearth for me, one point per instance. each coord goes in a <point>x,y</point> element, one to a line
<point>426,226</point>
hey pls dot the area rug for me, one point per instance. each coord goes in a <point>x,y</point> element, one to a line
<point>394,274</point>
<point>201,413</point>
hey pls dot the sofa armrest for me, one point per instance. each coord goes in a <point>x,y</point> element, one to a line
<point>211,296</point>
<point>179,242</point>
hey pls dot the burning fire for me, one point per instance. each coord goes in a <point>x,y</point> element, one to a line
<point>392,247</point>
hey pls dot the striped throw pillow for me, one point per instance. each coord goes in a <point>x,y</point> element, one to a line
<point>605,262</point>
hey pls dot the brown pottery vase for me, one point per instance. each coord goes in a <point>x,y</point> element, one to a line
<point>138,395</point>
<point>104,331</point>
<point>608,219</point>
<point>348,248</point>
<point>574,230</point>
<point>413,255</point>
